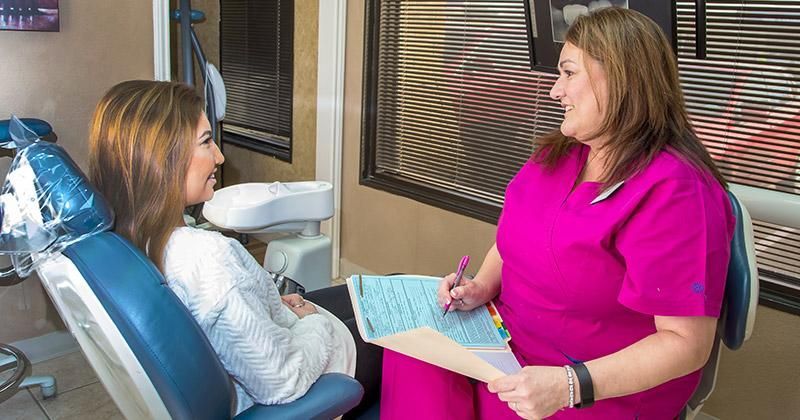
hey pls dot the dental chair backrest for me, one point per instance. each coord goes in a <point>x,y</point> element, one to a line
<point>143,344</point>
<point>165,355</point>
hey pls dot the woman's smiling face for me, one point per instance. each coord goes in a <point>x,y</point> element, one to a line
<point>582,89</point>
<point>206,156</point>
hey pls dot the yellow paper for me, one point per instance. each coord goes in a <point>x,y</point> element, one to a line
<point>437,349</point>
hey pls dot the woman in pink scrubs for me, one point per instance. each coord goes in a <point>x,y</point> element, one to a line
<point>611,251</point>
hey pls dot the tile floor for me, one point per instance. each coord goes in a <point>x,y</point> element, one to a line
<point>80,394</point>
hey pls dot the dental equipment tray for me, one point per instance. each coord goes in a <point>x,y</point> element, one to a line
<point>276,206</point>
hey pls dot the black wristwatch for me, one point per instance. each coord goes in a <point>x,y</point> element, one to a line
<point>587,387</point>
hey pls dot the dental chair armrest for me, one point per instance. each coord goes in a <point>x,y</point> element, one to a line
<point>331,396</point>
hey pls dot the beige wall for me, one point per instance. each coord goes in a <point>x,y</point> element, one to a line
<point>243,165</point>
<point>384,233</point>
<point>760,380</point>
<point>58,77</point>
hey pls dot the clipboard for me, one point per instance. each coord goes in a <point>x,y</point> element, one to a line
<point>411,301</point>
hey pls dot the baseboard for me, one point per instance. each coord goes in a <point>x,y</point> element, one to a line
<point>47,346</point>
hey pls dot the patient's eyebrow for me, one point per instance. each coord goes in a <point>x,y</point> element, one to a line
<point>565,61</point>
<point>205,134</point>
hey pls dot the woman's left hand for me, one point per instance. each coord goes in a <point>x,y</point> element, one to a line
<point>298,305</point>
<point>535,392</point>
<point>292,300</point>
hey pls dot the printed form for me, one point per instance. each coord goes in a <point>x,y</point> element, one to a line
<point>400,303</point>
<point>401,313</point>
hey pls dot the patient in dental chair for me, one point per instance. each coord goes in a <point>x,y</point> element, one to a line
<point>151,155</point>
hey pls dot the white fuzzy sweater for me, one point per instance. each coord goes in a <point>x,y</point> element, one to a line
<point>272,355</point>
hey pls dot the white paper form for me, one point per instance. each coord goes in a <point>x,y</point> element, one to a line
<point>395,304</point>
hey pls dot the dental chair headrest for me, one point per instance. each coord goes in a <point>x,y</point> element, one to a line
<point>46,203</point>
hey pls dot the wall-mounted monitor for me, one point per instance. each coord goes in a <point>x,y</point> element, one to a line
<point>548,21</point>
<point>29,15</point>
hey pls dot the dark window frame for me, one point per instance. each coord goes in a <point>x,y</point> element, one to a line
<point>778,296</point>
<point>772,293</point>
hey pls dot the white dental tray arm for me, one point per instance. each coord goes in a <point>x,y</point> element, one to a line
<point>260,207</point>
<point>292,207</point>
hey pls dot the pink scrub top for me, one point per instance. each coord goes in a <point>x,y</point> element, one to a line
<point>582,280</point>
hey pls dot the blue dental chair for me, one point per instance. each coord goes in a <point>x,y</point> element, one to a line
<point>735,324</point>
<point>143,344</point>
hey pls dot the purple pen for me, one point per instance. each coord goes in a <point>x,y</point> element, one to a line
<point>459,274</point>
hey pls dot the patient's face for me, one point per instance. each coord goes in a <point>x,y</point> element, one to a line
<point>206,157</point>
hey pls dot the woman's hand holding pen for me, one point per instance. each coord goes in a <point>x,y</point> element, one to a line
<point>535,392</point>
<point>468,295</point>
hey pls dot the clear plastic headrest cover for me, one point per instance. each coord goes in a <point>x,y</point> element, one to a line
<point>46,203</point>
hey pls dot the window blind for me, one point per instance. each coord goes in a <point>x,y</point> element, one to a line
<point>455,104</point>
<point>451,106</point>
<point>256,55</point>
<point>744,100</point>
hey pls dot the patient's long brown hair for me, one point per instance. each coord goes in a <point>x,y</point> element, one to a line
<point>645,111</point>
<point>139,152</point>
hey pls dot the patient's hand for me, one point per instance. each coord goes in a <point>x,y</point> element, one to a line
<point>298,305</point>
<point>293,299</point>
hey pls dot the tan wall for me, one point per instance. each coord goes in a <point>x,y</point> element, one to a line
<point>58,77</point>
<point>759,381</point>
<point>242,165</point>
<point>384,233</point>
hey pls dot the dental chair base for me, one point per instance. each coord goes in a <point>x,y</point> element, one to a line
<point>20,378</point>
<point>47,384</point>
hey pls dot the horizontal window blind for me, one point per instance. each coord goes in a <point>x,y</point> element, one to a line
<point>456,105</point>
<point>451,106</point>
<point>256,55</point>
<point>744,99</point>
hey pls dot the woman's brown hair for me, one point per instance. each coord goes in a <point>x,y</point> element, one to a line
<point>645,112</point>
<point>139,152</point>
